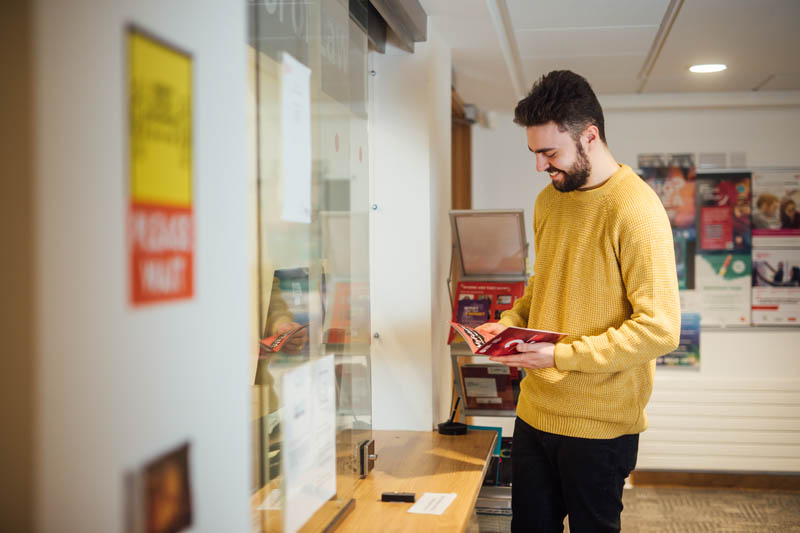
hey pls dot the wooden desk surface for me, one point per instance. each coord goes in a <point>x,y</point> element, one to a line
<point>419,461</point>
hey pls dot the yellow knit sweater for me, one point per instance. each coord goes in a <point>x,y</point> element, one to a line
<point>604,273</point>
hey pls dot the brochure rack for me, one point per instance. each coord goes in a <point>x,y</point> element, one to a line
<point>490,250</point>
<point>489,246</point>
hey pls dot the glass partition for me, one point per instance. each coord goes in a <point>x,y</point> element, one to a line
<point>310,183</point>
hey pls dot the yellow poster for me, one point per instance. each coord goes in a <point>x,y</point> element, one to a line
<point>160,122</point>
<point>160,218</point>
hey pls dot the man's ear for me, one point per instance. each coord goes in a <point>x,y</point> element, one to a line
<point>591,134</point>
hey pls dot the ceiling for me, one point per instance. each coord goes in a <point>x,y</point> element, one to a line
<point>609,42</point>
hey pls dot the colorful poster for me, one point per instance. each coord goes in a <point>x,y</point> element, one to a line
<point>675,185</point>
<point>160,216</point>
<point>723,202</point>
<point>724,284</point>
<point>688,352</point>
<point>776,287</point>
<point>776,213</point>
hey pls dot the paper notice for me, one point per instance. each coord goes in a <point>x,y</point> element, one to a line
<point>481,387</point>
<point>433,503</point>
<point>296,135</point>
<point>309,440</point>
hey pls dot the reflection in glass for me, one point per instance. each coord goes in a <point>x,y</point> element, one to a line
<point>313,295</point>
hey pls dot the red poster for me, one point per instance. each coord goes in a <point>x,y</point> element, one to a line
<point>716,228</point>
<point>161,253</point>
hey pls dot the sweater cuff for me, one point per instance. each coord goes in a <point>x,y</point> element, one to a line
<point>564,357</point>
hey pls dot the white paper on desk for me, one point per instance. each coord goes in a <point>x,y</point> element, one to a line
<point>433,503</point>
<point>296,139</point>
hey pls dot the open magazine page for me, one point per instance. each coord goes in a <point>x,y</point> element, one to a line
<point>506,342</point>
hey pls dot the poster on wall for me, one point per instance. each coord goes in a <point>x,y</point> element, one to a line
<point>723,282</point>
<point>674,182</point>
<point>158,494</point>
<point>688,352</point>
<point>723,204</point>
<point>160,211</point>
<point>776,209</point>
<point>776,287</point>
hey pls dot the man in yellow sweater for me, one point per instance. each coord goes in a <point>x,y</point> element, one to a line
<point>604,273</point>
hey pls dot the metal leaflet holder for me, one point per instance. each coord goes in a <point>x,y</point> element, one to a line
<point>490,246</point>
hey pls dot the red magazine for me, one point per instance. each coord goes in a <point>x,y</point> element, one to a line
<point>506,342</point>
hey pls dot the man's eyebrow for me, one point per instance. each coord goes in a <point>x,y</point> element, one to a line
<point>540,150</point>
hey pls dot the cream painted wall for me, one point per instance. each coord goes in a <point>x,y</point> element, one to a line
<point>410,173</point>
<point>741,410</point>
<point>117,386</point>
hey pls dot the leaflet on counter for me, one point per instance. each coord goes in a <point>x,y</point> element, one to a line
<point>505,343</point>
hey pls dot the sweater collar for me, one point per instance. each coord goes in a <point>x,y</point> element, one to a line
<point>607,186</point>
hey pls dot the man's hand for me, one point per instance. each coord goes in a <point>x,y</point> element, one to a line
<point>490,329</point>
<point>296,343</point>
<point>531,356</point>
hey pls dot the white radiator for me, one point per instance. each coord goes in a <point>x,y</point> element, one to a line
<point>722,424</point>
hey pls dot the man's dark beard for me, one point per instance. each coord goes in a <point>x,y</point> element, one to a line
<point>577,176</point>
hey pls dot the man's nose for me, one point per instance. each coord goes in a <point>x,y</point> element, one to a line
<point>541,163</point>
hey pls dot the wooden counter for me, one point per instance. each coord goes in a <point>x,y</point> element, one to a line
<point>419,462</point>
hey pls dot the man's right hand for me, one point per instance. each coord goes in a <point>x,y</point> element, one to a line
<point>490,329</point>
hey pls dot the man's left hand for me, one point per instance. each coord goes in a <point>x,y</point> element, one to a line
<point>531,356</point>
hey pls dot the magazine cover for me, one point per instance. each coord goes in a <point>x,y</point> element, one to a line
<point>506,342</point>
<point>776,287</point>
<point>724,284</point>
<point>688,352</point>
<point>473,313</point>
<point>723,202</point>
<point>776,209</point>
<point>472,299</point>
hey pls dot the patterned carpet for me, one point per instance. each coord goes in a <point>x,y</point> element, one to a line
<point>677,510</point>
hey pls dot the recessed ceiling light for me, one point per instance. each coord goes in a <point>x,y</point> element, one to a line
<point>707,68</point>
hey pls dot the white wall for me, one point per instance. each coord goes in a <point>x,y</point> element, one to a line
<point>116,386</point>
<point>409,249</point>
<point>741,410</point>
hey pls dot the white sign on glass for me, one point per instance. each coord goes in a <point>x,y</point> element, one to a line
<point>309,440</point>
<point>296,139</point>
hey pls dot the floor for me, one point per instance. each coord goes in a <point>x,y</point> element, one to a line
<point>683,510</point>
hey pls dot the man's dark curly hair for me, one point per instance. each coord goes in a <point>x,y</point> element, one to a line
<point>562,97</point>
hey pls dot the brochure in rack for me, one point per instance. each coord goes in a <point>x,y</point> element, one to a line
<point>506,342</point>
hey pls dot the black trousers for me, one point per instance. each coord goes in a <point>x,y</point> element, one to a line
<point>555,476</point>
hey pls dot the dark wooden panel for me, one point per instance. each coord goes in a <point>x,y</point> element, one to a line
<point>762,481</point>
